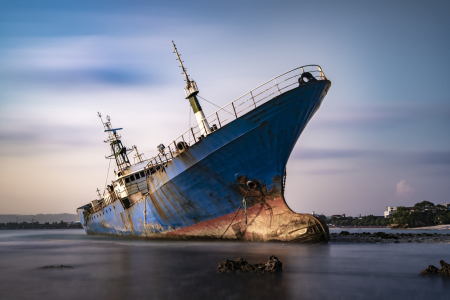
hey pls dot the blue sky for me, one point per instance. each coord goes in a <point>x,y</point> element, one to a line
<point>380,138</point>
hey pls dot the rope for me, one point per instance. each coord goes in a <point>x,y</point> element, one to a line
<point>244,201</point>
<point>190,132</point>
<point>190,112</point>
<point>214,104</point>
<point>245,207</point>
<point>107,174</point>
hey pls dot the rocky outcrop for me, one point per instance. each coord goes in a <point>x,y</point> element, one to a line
<point>445,268</point>
<point>56,267</point>
<point>240,265</point>
<point>432,270</point>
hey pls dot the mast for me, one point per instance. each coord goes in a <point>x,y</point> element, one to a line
<point>118,151</point>
<point>191,92</point>
<point>137,156</point>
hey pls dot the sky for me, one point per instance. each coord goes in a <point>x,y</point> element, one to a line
<point>381,137</point>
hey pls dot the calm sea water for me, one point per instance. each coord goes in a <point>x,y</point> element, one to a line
<point>111,268</point>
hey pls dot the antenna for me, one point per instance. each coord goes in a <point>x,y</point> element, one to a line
<point>181,63</point>
<point>137,156</point>
<point>100,116</point>
<point>119,152</point>
<point>191,88</point>
<point>113,130</point>
<point>191,91</point>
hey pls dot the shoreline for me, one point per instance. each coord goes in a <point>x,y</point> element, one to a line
<point>346,237</point>
<point>435,227</point>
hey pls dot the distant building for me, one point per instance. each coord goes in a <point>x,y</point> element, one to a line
<point>338,216</point>
<point>446,205</point>
<point>390,211</point>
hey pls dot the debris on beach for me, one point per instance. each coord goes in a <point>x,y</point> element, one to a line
<point>56,267</point>
<point>432,270</point>
<point>240,265</point>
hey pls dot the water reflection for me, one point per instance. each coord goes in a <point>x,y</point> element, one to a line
<point>123,269</point>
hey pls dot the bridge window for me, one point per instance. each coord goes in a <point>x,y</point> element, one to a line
<point>142,174</point>
<point>127,180</point>
<point>137,175</point>
<point>132,178</point>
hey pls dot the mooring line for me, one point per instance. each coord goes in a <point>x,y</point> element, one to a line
<point>244,201</point>
<point>107,174</point>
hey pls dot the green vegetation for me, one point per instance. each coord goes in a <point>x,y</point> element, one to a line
<point>37,225</point>
<point>369,220</point>
<point>424,213</point>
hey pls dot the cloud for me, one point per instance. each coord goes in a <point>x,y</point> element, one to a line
<point>403,190</point>
<point>316,153</point>
<point>79,60</point>
<point>328,171</point>
<point>431,158</point>
<point>41,138</point>
<point>381,116</point>
<point>418,158</point>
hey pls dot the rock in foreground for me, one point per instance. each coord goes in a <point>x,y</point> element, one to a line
<point>431,270</point>
<point>56,267</point>
<point>239,265</point>
<point>445,268</point>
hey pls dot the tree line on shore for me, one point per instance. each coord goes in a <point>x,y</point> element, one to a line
<point>424,213</point>
<point>37,225</point>
<point>369,220</point>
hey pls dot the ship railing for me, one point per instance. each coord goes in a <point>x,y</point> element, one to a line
<point>97,207</point>
<point>233,110</point>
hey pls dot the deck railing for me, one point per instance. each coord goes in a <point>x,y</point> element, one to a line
<point>235,109</point>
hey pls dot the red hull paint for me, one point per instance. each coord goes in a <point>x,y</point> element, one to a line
<point>271,220</point>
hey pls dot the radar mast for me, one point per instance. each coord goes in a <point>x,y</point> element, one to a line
<point>191,92</point>
<point>118,151</point>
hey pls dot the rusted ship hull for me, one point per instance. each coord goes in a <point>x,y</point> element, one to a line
<point>268,221</point>
<point>197,195</point>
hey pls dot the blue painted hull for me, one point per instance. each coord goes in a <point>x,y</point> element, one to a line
<point>200,185</point>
